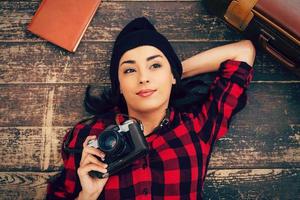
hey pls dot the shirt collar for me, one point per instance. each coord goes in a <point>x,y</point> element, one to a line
<point>165,122</point>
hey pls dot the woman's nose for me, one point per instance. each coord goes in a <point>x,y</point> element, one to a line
<point>144,81</point>
<point>143,77</point>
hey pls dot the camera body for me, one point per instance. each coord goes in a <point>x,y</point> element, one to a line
<point>121,144</point>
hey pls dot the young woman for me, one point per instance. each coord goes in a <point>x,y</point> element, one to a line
<point>146,84</point>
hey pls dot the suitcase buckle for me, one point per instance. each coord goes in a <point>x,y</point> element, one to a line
<point>239,13</point>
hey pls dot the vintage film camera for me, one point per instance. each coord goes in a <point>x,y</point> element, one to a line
<point>121,144</point>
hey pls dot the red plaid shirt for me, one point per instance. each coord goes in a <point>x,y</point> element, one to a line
<point>176,165</point>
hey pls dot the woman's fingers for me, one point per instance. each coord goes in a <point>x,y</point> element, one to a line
<point>84,153</point>
<point>89,157</point>
<point>90,150</point>
<point>84,170</point>
<point>93,151</point>
<point>88,138</point>
<point>90,162</point>
<point>92,159</point>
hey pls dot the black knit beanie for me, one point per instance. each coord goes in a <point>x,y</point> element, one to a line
<point>137,33</point>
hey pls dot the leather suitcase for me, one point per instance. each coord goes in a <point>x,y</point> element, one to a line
<point>273,25</point>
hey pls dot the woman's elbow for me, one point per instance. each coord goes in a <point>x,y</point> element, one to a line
<point>247,53</point>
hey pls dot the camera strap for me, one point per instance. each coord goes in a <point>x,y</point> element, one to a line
<point>166,119</point>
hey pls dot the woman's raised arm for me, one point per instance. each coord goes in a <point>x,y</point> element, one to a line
<point>210,60</point>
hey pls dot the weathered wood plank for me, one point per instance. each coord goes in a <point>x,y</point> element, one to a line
<point>23,104</point>
<point>172,19</point>
<point>252,184</point>
<point>44,63</point>
<point>258,146</point>
<point>272,104</point>
<point>24,148</point>
<point>24,185</point>
<point>220,184</point>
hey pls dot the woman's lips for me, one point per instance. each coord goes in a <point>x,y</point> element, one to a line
<point>145,93</point>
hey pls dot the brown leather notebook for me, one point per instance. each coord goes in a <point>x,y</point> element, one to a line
<point>63,22</point>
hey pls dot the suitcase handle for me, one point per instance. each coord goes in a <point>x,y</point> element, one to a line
<point>264,41</point>
<point>239,13</point>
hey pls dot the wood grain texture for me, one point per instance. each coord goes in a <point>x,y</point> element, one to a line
<point>23,185</point>
<point>45,63</point>
<point>23,104</point>
<point>23,149</point>
<point>112,16</point>
<point>252,184</point>
<point>220,184</point>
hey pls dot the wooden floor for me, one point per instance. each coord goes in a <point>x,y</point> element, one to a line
<point>42,86</point>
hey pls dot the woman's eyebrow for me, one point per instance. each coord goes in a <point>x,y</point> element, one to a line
<point>128,61</point>
<point>148,59</point>
<point>152,57</point>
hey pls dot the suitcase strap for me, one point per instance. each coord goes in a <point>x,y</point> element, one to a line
<point>239,13</point>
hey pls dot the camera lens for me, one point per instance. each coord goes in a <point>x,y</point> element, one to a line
<point>111,142</point>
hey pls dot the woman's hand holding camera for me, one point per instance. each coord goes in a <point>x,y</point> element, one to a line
<point>91,186</point>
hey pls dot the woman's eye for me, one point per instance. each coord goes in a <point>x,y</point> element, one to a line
<point>129,71</point>
<point>156,65</point>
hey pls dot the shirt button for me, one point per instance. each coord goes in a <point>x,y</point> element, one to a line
<point>145,165</point>
<point>145,191</point>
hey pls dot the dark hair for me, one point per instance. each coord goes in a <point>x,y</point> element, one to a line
<point>184,95</point>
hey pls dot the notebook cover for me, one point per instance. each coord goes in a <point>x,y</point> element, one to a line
<point>63,22</point>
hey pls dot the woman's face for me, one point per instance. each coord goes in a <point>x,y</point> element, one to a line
<point>145,79</point>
